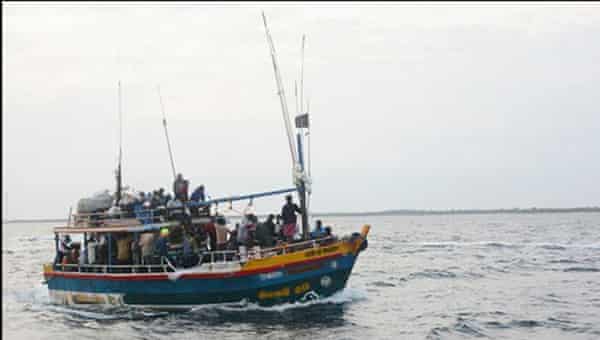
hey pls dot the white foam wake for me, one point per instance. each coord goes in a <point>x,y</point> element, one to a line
<point>347,295</point>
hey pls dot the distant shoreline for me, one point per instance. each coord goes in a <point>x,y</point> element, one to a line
<point>416,212</point>
<point>402,212</point>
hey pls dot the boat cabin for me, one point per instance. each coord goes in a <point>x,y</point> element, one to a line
<point>162,240</point>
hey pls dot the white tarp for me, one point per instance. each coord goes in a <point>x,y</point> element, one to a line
<point>98,202</point>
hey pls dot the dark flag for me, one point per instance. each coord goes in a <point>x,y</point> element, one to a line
<point>302,121</point>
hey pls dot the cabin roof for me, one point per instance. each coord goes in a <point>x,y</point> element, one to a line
<point>123,228</point>
<point>115,229</point>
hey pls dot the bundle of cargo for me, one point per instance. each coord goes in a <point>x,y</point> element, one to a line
<point>99,202</point>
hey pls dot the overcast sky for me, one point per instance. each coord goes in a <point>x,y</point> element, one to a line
<point>412,106</point>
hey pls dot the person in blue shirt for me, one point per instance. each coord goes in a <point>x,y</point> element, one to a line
<point>198,194</point>
<point>319,231</point>
<point>142,212</point>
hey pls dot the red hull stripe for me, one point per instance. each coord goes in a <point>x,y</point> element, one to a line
<point>158,277</point>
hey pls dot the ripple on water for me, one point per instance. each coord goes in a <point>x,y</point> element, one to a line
<point>468,327</point>
<point>582,269</point>
<point>433,274</point>
<point>383,284</point>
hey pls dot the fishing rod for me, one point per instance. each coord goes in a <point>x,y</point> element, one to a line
<point>162,108</point>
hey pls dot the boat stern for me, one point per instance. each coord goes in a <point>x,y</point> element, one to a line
<point>47,269</point>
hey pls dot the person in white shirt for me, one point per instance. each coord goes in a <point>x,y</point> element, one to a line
<point>91,249</point>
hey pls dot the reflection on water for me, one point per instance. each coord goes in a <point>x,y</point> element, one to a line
<point>427,277</point>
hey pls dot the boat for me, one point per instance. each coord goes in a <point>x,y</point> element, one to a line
<point>294,271</point>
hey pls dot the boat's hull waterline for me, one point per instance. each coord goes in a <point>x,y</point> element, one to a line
<point>294,277</point>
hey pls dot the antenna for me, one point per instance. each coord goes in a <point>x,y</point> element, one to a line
<point>162,108</point>
<point>296,96</point>
<point>119,170</point>
<point>302,77</point>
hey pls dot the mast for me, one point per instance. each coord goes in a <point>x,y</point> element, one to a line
<point>162,108</point>
<point>119,174</point>
<point>281,93</point>
<point>297,159</point>
<point>302,124</point>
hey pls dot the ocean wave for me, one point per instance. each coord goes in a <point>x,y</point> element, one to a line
<point>526,323</point>
<point>383,284</point>
<point>436,332</point>
<point>468,327</point>
<point>581,269</point>
<point>562,261</point>
<point>433,274</point>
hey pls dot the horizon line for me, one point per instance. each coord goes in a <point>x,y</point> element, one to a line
<point>452,211</point>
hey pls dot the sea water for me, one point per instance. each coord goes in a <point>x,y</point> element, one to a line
<point>498,276</point>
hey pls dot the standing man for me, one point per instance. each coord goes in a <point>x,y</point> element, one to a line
<point>146,243</point>
<point>64,248</point>
<point>288,215</point>
<point>180,188</point>
<point>221,233</point>
<point>161,245</point>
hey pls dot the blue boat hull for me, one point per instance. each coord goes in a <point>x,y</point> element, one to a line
<point>290,284</point>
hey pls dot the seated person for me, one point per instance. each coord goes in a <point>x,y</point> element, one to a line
<point>319,230</point>
<point>330,238</point>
